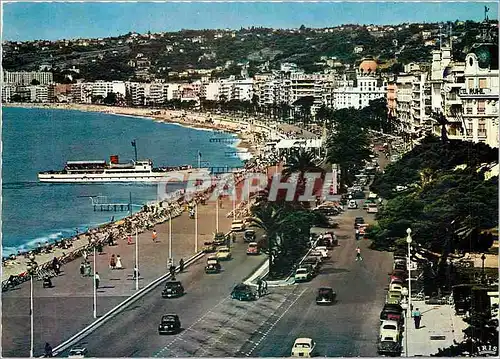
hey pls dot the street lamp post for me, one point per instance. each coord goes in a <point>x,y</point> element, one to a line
<point>409,240</point>
<point>196,227</point>
<point>136,260</point>
<point>169,235</point>
<point>95,289</point>
<point>31,271</point>
<point>217,213</point>
<point>483,258</point>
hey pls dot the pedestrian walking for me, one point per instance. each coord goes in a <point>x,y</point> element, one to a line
<point>181,265</point>
<point>154,235</point>
<point>119,262</point>
<point>417,316</point>
<point>357,234</point>
<point>97,279</point>
<point>48,350</point>
<point>358,254</point>
<point>82,269</point>
<point>172,271</point>
<point>259,289</point>
<point>85,255</point>
<point>129,239</point>
<point>112,262</point>
<point>136,273</point>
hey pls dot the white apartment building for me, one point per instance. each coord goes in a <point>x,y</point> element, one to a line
<point>102,88</point>
<point>480,95</point>
<point>210,91</point>
<point>39,93</point>
<point>303,85</point>
<point>242,90</point>
<point>24,78</point>
<point>146,93</point>
<point>7,92</point>
<point>404,102</point>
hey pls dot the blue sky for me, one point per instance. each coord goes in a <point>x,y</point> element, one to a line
<point>51,21</point>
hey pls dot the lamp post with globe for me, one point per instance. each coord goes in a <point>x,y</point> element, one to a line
<point>31,268</point>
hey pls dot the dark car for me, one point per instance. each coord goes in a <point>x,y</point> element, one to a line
<point>169,324</point>
<point>399,274</point>
<point>243,292</point>
<point>172,289</point>
<point>314,262</point>
<point>358,220</point>
<point>249,235</point>
<point>325,295</point>
<point>392,312</point>
<point>389,348</point>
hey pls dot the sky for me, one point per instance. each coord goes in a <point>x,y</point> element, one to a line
<point>24,21</point>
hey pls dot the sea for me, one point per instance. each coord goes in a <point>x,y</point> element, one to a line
<point>35,140</point>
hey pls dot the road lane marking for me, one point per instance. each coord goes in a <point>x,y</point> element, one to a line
<point>275,322</point>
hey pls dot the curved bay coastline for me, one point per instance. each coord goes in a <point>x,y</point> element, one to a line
<point>200,121</point>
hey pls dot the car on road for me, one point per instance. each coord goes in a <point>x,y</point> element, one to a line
<point>249,235</point>
<point>209,247</point>
<point>213,266</point>
<point>173,289</point>
<point>326,295</point>
<point>243,292</point>
<point>319,253</point>
<point>223,253</point>
<point>358,221</point>
<point>393,297</point>
<point>303,275</point>
<point>352,204</point>
<point>399,274</point>
<point>253,248</point>
<point>372,208</point>
<point>238,225</point>
<point>389,348</point>
<point>396,287</point>
<point>323,250</point>
<point>77,352</point>
<point>169,324</point>
<point>389,328</point>
<point>303,347</point>
<point>314,262</point>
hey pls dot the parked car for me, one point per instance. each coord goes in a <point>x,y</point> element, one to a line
<point>318,253</point>
<point>238,225</point>
<point>223,253</point>
<point>314,262</point>
<point>358,221</point>
<point>209,247</point>
<point>77,352</point>
<point>249,235</point>
<point>302,275</point>
<point>213,266</point>
<point>243,292</point>
<point>253,248</point>
<point>389,328</point>
<point>326,295</point>
<point>389,348</point>
<point>392,312</point>
<point>169,324</point>
<point>323,250</point>
<point>393,297</point>
<point>372,208</point>
<point>172,289</point>
<point>396,287</point>
<point>303,347</point>
<point>352,204</point>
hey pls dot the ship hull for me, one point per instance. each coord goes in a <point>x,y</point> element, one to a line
<point>152,177</point>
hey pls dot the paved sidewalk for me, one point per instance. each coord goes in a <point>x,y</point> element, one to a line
<point>438,328</point>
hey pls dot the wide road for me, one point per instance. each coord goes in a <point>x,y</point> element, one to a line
<point>347,328</point>
<point>134,331</point>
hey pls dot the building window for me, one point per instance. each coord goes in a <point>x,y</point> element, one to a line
<point>481,104</point>
<point>482,83</point>
<point>470,83</point>
<point>481,129</point>
<point>469,128</point>
<point>468,110</point>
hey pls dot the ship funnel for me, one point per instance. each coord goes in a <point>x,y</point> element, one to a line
<point>113,159</point>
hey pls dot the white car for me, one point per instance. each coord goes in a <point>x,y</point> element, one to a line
<point>77,353</point>
<point>322,249</point>
<point>302,275</point>
<point>389,328</point>
<point>238,225</point>
<point>372,208</point>
<point>319,253</point>
<point>352,204</point>
<point>303,347</point>
<point>223,253</point>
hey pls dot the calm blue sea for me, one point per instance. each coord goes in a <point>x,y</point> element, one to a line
<point>36,140</point>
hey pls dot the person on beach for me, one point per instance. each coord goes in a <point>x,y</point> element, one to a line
<point>119,262</point>
<point>154,235</point>
<point>112,262</point>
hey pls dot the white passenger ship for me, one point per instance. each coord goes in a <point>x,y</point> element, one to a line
<point>133,171</point>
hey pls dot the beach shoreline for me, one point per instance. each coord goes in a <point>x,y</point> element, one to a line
<point>188,119</point>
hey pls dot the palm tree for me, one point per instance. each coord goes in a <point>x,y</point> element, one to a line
<point>271,218</point>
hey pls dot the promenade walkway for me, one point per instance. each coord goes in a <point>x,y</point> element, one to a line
<point>438,329</point>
